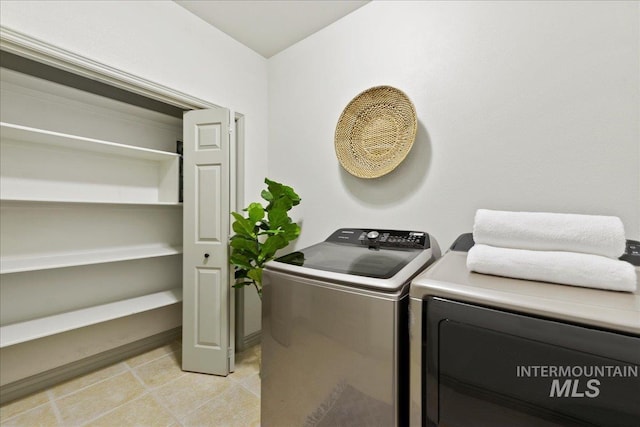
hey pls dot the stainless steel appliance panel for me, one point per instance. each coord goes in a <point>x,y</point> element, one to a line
<point>599,312</point>
<point>331,354</point>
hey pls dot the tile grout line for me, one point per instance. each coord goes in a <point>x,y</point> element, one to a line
<point>150,390</point>
<point>62,396</point>
<point>123,372</point>
<point>136,376</point>
<point>90,420</point>
<point>147,391</point>
<point>148,387</point>
<point>85,422</point>
<point>148,361</point>
<point>232,381</point>
<point>52,399</point>
<point>247,380</point>
<point>54,406</point>
<point>180,420</point>
<point>162,405</point>
<point>19,414</point>
<point>188,414</point>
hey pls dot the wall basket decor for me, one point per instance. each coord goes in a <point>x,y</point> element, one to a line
<point>375,132</point>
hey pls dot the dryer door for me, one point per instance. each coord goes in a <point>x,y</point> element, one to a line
<point>490,367</point>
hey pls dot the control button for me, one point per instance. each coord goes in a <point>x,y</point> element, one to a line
<point>373,235</point>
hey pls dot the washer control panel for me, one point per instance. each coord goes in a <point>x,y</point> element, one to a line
<point>381,238</point>
<point>632,253</point>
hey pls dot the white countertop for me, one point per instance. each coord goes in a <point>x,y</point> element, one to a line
<point>449,278</point>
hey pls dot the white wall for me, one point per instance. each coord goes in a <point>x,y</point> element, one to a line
<point>164,43</point>
<point>521,106</point>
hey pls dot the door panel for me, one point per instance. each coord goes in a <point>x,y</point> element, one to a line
<point>206,288</point>
<point>208,203</point>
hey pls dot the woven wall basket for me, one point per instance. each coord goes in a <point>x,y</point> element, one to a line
<point>375,132</point>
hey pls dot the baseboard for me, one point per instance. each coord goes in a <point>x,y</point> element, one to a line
<point>251,340</point>
<point>55,376</point>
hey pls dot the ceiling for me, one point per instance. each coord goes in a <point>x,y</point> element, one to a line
<point>270,26</point>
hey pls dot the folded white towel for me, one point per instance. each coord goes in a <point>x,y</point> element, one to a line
<point>569,268</point>
<point>591,234</point>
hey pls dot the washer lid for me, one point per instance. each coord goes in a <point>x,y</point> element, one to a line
<point>352,260</point>
<point>381,260</point>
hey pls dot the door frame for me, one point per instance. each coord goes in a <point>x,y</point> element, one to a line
<point>40,51</point>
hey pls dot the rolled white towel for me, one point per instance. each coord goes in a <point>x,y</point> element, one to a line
<point>568,268</point>
<point>591,234</point>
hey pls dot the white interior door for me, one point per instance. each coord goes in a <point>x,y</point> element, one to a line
<point>208,151</point>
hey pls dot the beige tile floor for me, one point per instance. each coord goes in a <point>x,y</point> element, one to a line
<point>147,390</point>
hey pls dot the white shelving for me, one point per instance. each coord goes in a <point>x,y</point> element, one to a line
<point>37,328</point>
<point>51,202</point>
<point>39,164</point>
<point>50,234</point>
<point>40,136</point>
<point>17,264</point>
<point>91,225</point>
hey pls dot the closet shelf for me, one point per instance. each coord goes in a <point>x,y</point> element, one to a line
<point>17,264</point>
<point>33,135</point>
<point>32,202</point>
<point>38,328</point>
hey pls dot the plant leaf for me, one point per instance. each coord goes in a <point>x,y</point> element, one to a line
<point>240,260</point>
<point>283,203</point>
<point>256,212</point>
<point>291,195</point>
<point>270,246</point>
<point>242,225</point>
<point>255,274</point>
<point>240,273</point>
<point>291,231</point>
<point>243,245</point>
<point>275,188</point>
<point>277,213</point>
<point>278,218</point>
<point>262,233</point>
<point>239,285</point>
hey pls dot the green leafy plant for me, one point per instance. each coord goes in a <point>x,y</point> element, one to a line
<point>261,232</point>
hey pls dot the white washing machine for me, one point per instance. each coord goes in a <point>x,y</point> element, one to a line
<point>334,329</point>
<point>495,351</point>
